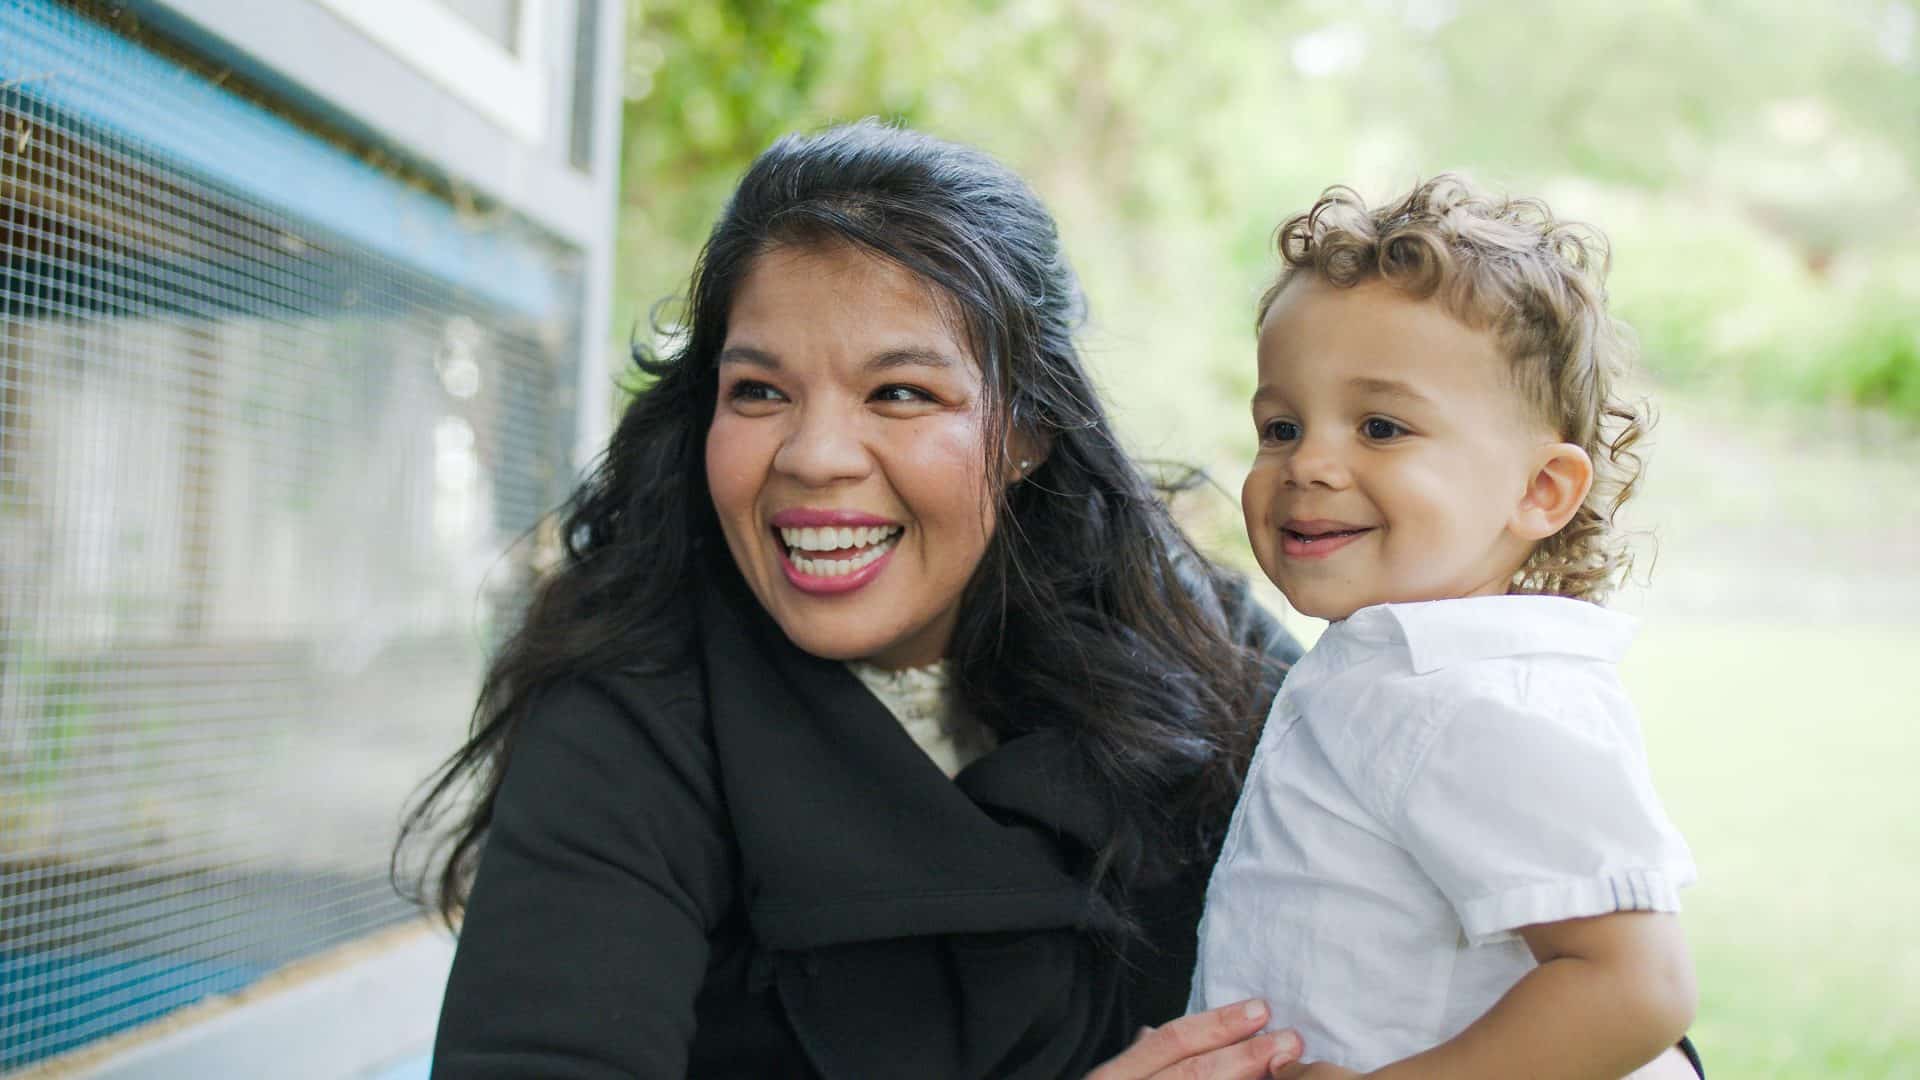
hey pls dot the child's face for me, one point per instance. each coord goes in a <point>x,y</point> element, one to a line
<point>1397,461</point>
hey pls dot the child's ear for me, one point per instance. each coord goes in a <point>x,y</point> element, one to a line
<point>1562,476</point>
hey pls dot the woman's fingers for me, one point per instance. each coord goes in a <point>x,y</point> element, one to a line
<point>1186,1038</point>
<point>1284,1055</point>
<point>1221,1044</point>
<point>1256,1058</point>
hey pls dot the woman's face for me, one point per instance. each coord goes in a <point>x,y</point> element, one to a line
<point>847,454</point>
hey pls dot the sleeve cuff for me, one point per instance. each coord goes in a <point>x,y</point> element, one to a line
<point>1491,917</point>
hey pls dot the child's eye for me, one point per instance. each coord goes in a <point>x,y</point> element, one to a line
<point>1279,431</point>
<point>1380,429</point>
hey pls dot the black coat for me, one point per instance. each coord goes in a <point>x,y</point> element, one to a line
<point>750,869</point>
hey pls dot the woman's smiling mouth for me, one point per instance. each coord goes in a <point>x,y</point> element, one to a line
<point>833,551</point>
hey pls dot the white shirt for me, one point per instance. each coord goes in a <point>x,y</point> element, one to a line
<point>1431,777</point>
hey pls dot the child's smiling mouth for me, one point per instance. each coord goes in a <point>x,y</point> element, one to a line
<point>1317,539</point>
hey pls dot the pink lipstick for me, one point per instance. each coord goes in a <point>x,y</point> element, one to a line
<point>827,552</point>
<point>805,516</point>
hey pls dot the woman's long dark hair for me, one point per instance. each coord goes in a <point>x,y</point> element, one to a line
<point>1089,613</point>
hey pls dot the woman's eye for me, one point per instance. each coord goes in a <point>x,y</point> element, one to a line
<point>1380,430</point>
<point>1279,431</point>
<point>901,394</point>
<point>751,390</point>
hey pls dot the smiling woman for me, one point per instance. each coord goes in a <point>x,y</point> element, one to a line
<point>878,720</point>
<point>870,412</point>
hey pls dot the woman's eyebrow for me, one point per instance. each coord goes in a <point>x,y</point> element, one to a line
<point>892,358</point>
<point>747,354</point>
<point>911,357</point>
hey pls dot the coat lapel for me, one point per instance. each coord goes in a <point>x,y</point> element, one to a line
<point>849,833</point>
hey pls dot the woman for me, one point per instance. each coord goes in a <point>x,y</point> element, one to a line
<point>710,849</point>
<point>878,721</point>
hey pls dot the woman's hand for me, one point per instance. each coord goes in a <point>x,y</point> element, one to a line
<point>1317,1070</point>
<point>1222,1044</point>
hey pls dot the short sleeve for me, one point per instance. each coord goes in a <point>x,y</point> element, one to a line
<point>1525,815</point>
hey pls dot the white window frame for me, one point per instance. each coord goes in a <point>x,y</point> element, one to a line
<point>509,87</point>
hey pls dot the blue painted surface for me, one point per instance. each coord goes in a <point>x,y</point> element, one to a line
<point>77,75</point>
<point>91,996</point>
<point>76,66</point>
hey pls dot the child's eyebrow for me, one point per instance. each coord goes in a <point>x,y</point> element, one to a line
<point>1389,388</point>
<point>1265,393</point>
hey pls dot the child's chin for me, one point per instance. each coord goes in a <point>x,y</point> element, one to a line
<point>1320,607</point>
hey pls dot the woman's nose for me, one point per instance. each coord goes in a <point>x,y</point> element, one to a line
<point>824,447</point>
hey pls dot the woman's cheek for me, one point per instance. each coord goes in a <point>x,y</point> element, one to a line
<point>730,454</point>
<point>950,463</point>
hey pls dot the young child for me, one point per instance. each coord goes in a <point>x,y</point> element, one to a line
<point>1448,860</point>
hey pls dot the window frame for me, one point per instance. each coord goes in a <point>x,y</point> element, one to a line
<point>507,86</point>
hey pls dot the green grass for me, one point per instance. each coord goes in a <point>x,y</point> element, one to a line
<point>1790,756</point>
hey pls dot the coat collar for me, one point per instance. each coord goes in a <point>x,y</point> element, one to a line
<point>848,832</point>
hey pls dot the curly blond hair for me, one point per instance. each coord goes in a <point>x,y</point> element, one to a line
<point>1538,284</point>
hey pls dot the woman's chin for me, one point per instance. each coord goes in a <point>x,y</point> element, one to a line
<point>860,632</point>
<point>848,644</point>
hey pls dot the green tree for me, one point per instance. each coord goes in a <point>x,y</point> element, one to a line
<point>1755,162</point>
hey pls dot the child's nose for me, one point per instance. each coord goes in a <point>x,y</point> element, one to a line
<point>1316,462</point>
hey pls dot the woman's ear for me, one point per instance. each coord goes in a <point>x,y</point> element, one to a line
<point>1562,476</point>
<point>1025,451</point>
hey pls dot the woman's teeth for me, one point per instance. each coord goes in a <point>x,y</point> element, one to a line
<point>836,539</point>
<point>875,540</point>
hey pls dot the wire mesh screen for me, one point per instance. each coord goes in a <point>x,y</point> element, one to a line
<point>255,484</point>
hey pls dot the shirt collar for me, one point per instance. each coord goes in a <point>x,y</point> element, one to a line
<point>1443,633</point>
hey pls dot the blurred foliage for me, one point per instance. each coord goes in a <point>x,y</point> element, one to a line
<point>1754,161</point>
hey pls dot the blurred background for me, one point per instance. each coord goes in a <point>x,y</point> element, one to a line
<point>1757,167</point>
<point>309,309</point>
